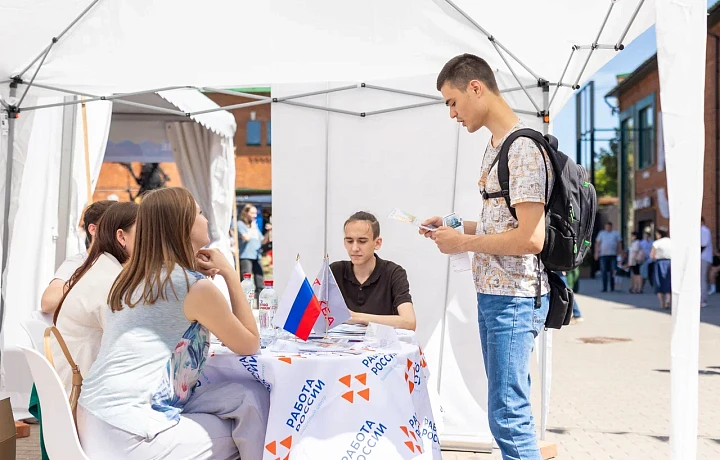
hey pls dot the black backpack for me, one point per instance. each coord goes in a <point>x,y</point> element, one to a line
<point>569,218</point>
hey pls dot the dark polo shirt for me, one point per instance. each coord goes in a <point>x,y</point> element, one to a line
<point>385,289</point>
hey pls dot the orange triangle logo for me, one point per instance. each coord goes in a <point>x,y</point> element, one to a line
<point>413,435</point>
<point>287,442</point>
<point>345,380</point>
<point>409,364</point>
<point>406,376</point>
<point>287,457</point>
<point>272,448</point>
<point>411,386</point>
<point>286,360</point>
<point>404,430</point>
<point>365,394</point>
<point>410,446</point>
<point>419,449</point>
<point>348,396</point>
<point>362,378</point>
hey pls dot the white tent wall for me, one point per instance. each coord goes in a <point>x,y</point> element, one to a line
<point>681,41</point>
<point>95,124</point>
<point>417,160</point>
<point>31,255</point>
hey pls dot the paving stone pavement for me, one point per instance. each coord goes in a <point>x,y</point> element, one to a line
<point>610,401</point>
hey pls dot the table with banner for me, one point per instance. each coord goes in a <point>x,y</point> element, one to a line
<point>339,398</point>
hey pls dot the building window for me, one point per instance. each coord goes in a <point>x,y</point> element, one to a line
<point>269,130</point>
<point>626,171</point>
<point>253,131</point>
<point>646,137</point>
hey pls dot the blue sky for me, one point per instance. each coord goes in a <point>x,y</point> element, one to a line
<point>626,61</point>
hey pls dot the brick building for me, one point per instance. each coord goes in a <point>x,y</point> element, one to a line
<point>252,153</point>
<point>641,164</point>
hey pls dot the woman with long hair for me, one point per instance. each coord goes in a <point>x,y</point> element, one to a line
<point>80,316</point>
<point>141,398</point>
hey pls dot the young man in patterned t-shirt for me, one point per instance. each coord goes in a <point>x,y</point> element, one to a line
<point>505,267</point>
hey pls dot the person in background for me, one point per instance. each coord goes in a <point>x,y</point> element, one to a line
<point>251,241</point>
<point>81,315</point>
<point>646,246</point>
<point>374,289</point>
<point>706,260</point>
<point>56,289</point>
<point>635,260</point>
<point>608,245</point>
<point>661,253</point>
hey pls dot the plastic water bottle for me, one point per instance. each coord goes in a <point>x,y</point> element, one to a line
<point>268,306</point>
<point>248,286</point>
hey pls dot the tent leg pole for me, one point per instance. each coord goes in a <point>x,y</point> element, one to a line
<point>6,211</point>
<point>545,334</point>
<point>327,171</point>
<point>65,189</point>
<point>443,322</point>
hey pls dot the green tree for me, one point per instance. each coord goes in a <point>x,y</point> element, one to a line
<point>606,170</point>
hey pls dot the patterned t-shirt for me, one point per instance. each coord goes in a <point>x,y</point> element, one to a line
<point>515,276</point>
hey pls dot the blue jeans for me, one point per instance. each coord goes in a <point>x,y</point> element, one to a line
<point>608,265</point>
<point>508,327</point>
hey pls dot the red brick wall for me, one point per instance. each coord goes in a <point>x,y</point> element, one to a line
<point>252,163</point>
<point>646,186</point>
<point>115,179</point>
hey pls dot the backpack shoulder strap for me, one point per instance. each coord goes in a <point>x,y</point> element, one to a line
<point>503,170</point>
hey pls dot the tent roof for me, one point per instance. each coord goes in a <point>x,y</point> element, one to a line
<point>139,44</point>
<point>651,63</point>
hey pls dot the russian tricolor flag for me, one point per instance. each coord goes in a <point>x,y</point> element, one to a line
<point>298,309</point>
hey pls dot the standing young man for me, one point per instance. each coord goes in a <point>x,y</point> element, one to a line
<point>506,271</point>
<point>608,245</point>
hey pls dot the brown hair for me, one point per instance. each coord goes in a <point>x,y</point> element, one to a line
<point>245,214</point>
<point>117,216</point>
<point>362,216</point>
<point>162,240</point>
<point>461,70</point>
<point>92,215</point>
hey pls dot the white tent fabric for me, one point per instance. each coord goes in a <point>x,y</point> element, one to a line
<point>176,43</point>
<point>221,123</point>
<point>206,163</point>
<point>681,40</point>
<point>417,160</point>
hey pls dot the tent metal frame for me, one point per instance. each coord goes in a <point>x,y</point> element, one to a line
<point>542,110</point>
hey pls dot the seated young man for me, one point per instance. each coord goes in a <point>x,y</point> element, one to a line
<point>374,289</point>
<point>56,289</point>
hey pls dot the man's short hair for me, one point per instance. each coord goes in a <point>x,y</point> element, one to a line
<point>609,223</point>
<point>362,216</point>
<point>461,70</point>
<point>92,215</point>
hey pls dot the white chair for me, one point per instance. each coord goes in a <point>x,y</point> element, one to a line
<point>36,330</point>
<point>60,435</point>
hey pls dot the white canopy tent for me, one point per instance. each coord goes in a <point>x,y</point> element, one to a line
<point>59,185</point>
<point>542,51</point>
